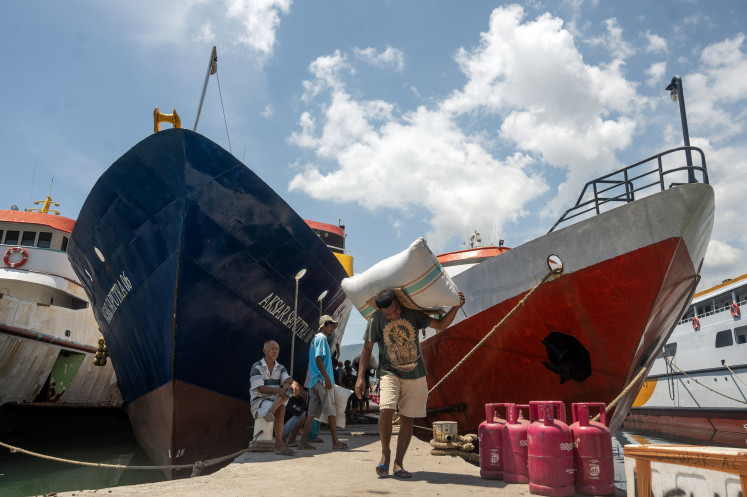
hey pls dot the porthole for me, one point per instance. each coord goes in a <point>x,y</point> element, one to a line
<point>99,254</point>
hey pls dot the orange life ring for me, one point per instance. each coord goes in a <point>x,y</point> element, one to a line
<point>696,323</point>
<point>13,250</point>
<point>735,310</point>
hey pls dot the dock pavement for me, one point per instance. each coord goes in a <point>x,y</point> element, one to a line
<point>324,472</point>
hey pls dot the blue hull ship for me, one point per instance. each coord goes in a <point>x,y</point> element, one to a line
<point>191,262</point>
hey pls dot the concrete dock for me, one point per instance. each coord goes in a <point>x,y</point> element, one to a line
<point>324,472</point>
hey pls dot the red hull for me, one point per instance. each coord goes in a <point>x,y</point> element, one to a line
<point>621,310</point>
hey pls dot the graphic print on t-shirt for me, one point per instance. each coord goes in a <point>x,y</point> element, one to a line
<point>400,338</point>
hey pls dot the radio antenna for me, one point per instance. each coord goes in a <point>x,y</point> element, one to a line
<point>31,193</point>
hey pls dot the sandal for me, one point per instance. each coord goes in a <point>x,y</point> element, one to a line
<point>306,446</point>
<point>285,452</point>
<point>343,446</point>
<point>402,473</point>
<point>316,440</point>
<point>382,470</point>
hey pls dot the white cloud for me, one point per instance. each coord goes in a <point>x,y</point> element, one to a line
<point>726,65</point>
<point>206,34</point>
<point>248,24</point>
<point>327,71</point>
<point>389,57</point>
<point>655,73</point>
<point>268,111</point>
<point>421,160</point>
<point>553,104</point>
<point>613,41</point>
<point>656,43</point>
<point>716,100</point>
<point>720,263</point>
<point>529,75</point>
<point>259,20</point>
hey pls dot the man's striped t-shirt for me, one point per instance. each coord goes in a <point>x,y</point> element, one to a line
<point>261,375</point>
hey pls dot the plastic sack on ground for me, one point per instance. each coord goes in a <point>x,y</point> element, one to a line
<point>416,276</point>
<point>341,400</point>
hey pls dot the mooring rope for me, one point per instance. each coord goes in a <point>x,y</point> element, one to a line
<point>464,447</point>
<point>733,373</point>
<point>623,393</point>
<point>699,383</point>
<point>490,333</point>
<point>196,467</point>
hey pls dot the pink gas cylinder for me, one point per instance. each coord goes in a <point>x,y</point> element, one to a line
<point>515,445</point>
<point>592,453</point>
<point>490,434</point>
<point>550,451</point>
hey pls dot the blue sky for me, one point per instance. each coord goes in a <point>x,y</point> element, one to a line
<point>402,119</point>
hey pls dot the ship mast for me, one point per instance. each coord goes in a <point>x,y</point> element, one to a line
<point>47,203</point>
<point>212,69</point>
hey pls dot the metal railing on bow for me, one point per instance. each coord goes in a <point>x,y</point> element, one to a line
<point>622,186</point>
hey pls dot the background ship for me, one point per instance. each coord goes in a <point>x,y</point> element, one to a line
<point>697,386</point>
<point>192,262</point>
<point>586,333</point>
<point>48,335</point>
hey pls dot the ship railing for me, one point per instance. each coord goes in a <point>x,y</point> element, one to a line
<point>340,250</point>
<point>718,310</point>
<point>625,184</point>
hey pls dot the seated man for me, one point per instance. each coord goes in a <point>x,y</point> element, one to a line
<point>349,382</point>
<point>269,382</point>
<point>295,415</point>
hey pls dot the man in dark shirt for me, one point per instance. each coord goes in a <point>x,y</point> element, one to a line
<point>348,381</point>
<point>295,414</point>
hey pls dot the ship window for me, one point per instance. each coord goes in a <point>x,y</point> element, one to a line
<point>11,237</point>
<point>45,240</point>
<point>724,339</point>
<point>29,237</point>
<point>64,244</point>
<point>1,236</point>
<point>740,334</point>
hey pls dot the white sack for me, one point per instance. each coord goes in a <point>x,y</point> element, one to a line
<point>416,271</point>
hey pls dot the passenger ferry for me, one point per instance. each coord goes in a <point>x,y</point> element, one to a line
<point>48,335</point>
<point>697,384</point>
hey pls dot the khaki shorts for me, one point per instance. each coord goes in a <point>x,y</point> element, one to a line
<point>322,400</point>
<point>409,395</point>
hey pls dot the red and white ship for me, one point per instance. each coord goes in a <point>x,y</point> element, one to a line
<point>48,335</point>
<point>629,270</point>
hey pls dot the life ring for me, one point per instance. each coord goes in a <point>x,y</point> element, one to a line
<point>735,310</point>
<point>696,323</point>
<point>13,250</point>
